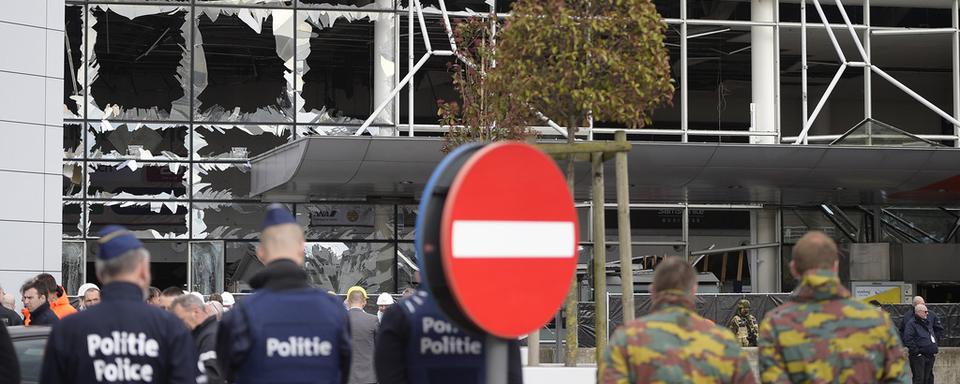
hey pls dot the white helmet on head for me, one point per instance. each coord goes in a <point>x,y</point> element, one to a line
<point>228,300</point>
<point>83,289</point>
<point>385,299</point>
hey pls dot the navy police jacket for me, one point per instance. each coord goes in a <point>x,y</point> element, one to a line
<point>286,332</point>
<point>417,344</point>
<point>122,340</point>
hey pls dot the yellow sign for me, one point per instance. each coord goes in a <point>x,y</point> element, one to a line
<point>883,294</point>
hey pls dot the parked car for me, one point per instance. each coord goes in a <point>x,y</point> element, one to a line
<point>29,343</point>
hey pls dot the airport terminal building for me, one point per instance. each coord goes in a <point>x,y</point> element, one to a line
<point>183,120</point>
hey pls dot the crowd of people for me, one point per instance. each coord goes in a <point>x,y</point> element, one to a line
<point>285,332</point>
<point>288,331</point>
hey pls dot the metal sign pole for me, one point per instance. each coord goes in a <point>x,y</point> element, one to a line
<point>495,355</point>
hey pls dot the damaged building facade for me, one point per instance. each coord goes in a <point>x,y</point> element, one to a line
<point>165,104</point>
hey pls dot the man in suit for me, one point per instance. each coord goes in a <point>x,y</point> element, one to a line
<point>364,329</point>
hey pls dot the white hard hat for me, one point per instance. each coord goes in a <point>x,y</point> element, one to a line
<point>83,288</point>
<point>227,299</point>
<point>385,299</point>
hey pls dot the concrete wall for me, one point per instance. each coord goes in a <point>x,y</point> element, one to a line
<point>31,124</point>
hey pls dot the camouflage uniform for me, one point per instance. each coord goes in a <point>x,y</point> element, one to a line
<point>744,325</point>
<point>674,345</point>
<point>822,336</point>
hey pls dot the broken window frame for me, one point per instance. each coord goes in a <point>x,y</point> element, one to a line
<point>203,189</point>
<point>154,206</point>
<point>135,166</point>
<point>237,153</point>
<point>283,29</point>
<point>140,153</point>
<point>180,108</point>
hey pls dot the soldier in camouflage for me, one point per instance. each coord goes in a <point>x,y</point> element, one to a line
<point>822,336</point>
<point>674,344</point>
<point>744,325</point>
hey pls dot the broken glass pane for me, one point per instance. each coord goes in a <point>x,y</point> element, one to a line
<point>433,82</point>
<point>238,142</point>
<point>338,67</point>
<point>481,6</point>
<point>338,266</point>
<point>134,180</point>
<point>243,65</point>
<point>246,2</point>
<point>73,61</point>
<point>72,265</point>
<point>206,267</point>
<point>240,265</point>
<point>366,4</point>
<point>72,140</point>
<point>332,130</point>
<point>221,220</point>
<point>137,141</point>
<point>72,178</point>
<point>221,181</point>
<point>871,132</point>
<point>72,219</point>
<point>356,222</point>
<point>147,219</point>
<point>406,266</point>
<point>138,62</point>
<point>407,221</point>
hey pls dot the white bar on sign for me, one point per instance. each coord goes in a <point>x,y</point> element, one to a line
<point>513,239</point>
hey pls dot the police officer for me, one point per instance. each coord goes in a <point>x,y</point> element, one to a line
<point>287,331</point>
<point>417,344</point>
<point>122,339</point>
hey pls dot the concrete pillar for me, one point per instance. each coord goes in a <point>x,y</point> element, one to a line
<point>384,68</point>
<point>765,262</point>
<point>763,75</point>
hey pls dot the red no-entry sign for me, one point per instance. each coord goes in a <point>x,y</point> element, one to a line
<point>508,239</point>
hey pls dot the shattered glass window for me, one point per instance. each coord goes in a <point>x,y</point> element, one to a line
<point>247,2</point>
<point>206,267</point>
<point>357,222</point>
<point>72,219</point>
<point>338,74</point>
<point>146,219</point>
<point>433,82</point>
<point>331,130</point>
<point>73,61</point>
<point>406,221</point>
<point>238,142</point>
<point>244,65</point>
<point>72,178</point>
<point>72,140</point>
<point>219,220</point>
<point>240,265</point>
<point>406,265</point>
<point>456,5</point>
<point>221,181</point>
<point>139,141</point>
<point>140,68</point>
<point>338,266</point>
<point>133,180</point>
<point>72,265</point>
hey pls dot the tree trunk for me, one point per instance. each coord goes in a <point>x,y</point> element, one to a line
<point>571,310</point>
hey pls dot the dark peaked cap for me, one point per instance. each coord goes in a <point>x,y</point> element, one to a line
<point>115,241</point>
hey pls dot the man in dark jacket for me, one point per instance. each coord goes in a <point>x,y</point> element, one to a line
<point>8,317</point>
<point>203,325</point>
<point>932,318</point>
<point>35,300</point>
<point>921,341</point>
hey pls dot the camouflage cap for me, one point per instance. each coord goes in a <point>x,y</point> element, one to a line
<point>743,303</point>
